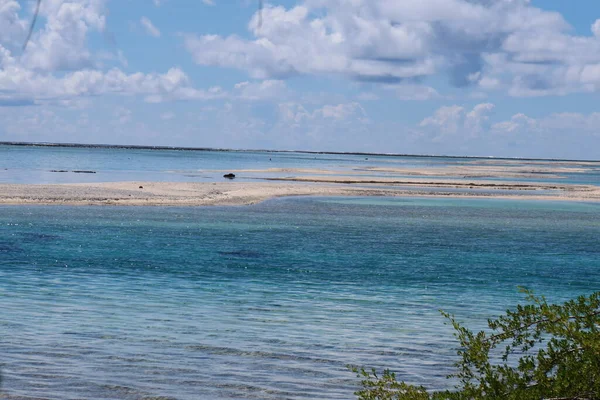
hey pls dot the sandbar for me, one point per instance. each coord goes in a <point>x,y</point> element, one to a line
<point>245,193</point>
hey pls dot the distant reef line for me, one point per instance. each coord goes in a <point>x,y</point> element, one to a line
<point>213,149</point>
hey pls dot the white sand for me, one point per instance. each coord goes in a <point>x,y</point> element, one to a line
<point>239,193</point>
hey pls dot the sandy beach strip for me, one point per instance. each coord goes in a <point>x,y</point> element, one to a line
<point>243,193</point>
<point>503,171</point>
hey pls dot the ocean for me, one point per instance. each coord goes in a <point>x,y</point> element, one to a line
<point>39,164</point>
<point>268,301</point>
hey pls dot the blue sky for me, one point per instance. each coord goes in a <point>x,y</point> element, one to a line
<point>516,78</point>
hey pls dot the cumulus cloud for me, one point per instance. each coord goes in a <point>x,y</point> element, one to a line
<point>518,122</point>
<point>457,121</point>
<point>458,130</point>
<point>12,28</point>
<point>19,82</point>
<point>478,117</point>
<point>149,27</point>
<point>58,67</point>
<point>335,127</point>
<point>61,43</point>
<point>503,44</point>
<point>550,136</point>
<point>521,124</point>
<point>446,119</point>
<point>289,42</point>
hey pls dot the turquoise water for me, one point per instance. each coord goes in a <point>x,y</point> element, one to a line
<point>269,301</point>
<point>35,165</point>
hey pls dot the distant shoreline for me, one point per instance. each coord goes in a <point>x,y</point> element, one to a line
<point>211,149</point>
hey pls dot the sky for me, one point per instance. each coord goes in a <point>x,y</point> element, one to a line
<point>502,78</point>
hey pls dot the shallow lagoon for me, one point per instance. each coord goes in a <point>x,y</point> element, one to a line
<point>271,300</point>
<point>35,165</point>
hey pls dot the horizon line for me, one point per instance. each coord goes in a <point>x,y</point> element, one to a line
<point>216,149</point>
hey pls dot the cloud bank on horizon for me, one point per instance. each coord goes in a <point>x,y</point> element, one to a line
<point>475,77</point>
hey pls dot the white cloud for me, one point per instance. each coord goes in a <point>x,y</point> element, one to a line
<point>447,119</point>
<point>61,43</point>
<point>339,127</point>
<point>517,123</point>
<point>460,131</point>
<point>295,112</point>
<point>12,29</point>
<point>209,2</point>
<point>550,136</point>
<point>340,111</point>
<point>289,43</point>
<point>477,119</point>
<point>173,85</point>
<point>596,28</point>
<point>501,44</point>
<point>268,89</point>
<point>149,27</point>
<point>563,123</point>
<point>57,66</point>
<point>456,123</point>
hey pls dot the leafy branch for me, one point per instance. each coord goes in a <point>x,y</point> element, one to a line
<point>550,352</point>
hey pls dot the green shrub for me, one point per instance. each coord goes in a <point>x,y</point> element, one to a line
<point>538,351</point>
